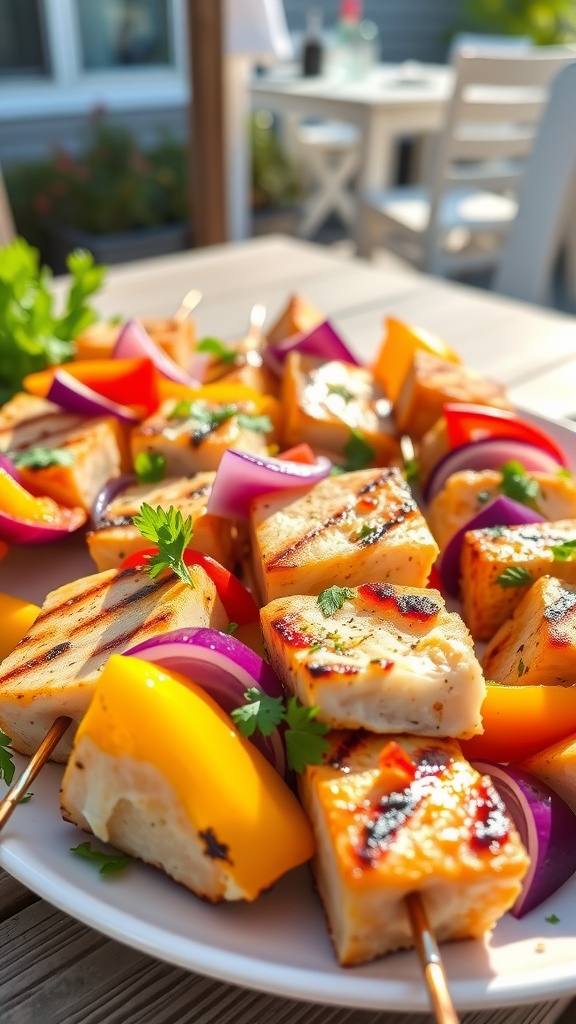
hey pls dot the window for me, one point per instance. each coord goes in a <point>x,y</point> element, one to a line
<point>117,33</point>
<point>22,40</point>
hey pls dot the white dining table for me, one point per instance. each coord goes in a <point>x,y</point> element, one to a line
<point>53,968</point>
<point>390,101</point>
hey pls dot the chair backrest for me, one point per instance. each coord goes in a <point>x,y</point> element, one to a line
<point>489,43</point>
<point>546,199</point>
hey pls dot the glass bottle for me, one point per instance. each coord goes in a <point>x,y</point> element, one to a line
<point>313,49</point>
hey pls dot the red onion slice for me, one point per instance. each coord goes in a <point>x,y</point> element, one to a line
<point>323,341</point>
<point>107,494</point>
<point>134,342</point>
<point>8,466</point>
<point>547,828</point>
<point>73,395</point>
<point>492,453</point>
<point>225,668</point>
<point>242,476</point>
<point>28,532</point>
<point>502,511</point>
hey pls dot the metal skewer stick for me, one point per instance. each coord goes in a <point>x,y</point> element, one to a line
<point>429,953</point>
<point>189,302</point>
<point>37,761</point>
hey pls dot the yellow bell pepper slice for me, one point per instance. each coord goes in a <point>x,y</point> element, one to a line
<point>222,782</point>
<point>15,501</point>
<point>16,617</point>
<point>397,352</point>
<point>225,394</point>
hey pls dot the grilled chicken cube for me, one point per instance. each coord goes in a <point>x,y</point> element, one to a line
<point>298,317</point>
<point>175,337</point>
<point>324,401</point>
<point>431,382</point>
<point>193,436</point>
<point>52,671</point>
<point>117,537</point>
<point>96,446</point>
<point>360,527</point>
<point>487,600</point>
<point>432,447</point>
<point>250,371</point>
<point>464,494</point>
<point>391,659</point>
<point>200,801</point>
<point>537,644</point>
<point>556,767</point>
<point>408,816</point>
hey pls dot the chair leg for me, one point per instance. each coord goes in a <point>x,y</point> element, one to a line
<point>331,193</point>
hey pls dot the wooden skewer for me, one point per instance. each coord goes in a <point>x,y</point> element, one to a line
<point>434,974</point>
<point>189,302</point>
<point>257,318</point>
<point>37,761</point>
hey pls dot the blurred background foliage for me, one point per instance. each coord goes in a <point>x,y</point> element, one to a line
<point>546,22</point>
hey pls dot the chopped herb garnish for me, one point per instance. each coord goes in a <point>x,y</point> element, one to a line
<point>304,736</point>
<point>172,534</point>
<point>516,484</point>
<point>26,798</point>
<point>343,392</point>
<point>110,863</point>
<point>358,452</point>
<point>521,668</point>
<point>150,467</point>
<point>231,628</point>
<point>7,766</point>
<point>552,919</point>
<point>209,418</point>
<point>261,424</point>
<point>369,534</point>
<point>495,531</point>
<point>218,349</point>
<point>565,551</point>
<point>565,472</point>
<point>514,576</point>
<point>331,599</point>
<point>315,647</point>
<point>337,641</point>
<point>483,497</point>
<point>259,712</point>
<point>411,470</point>
<point>42,458</point>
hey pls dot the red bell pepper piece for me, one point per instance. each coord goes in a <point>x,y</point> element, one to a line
<point>467,423</point>
<point>131,382</point>
<point>299,453</point>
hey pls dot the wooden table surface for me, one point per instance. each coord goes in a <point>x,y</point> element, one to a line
<point>54,970</point>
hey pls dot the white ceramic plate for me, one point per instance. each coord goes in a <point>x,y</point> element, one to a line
<point>278,944</point>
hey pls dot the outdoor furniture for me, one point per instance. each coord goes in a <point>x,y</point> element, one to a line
<point>459,221</point>
<point>547,201</point>
<point>392,101</point>
<point>330,155</point>
<point>55,970</point>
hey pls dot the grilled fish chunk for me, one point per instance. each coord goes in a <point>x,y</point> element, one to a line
<point>52,671</point>
<point>458,501</point>
<point>360,527</point>
<point>117,537</point>
<point>412,817</point>
<point>97,446</point>
<point>431,382</point>
<point>193,445</point>
<point>488,553</point>
<point>323,401</point>
<point>537,644</point>
<point>390,659</point>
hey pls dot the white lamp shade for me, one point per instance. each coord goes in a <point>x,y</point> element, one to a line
<point>257,28</point>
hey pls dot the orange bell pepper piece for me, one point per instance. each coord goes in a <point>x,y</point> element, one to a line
<point>132,382</point>
<point>397,352</point>
<point>521,720</point>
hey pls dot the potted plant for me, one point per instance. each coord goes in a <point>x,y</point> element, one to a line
<point>549,23</point>
<point>276,185</point>
<point>115,199</point>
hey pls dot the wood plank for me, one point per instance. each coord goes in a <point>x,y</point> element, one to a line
<point>206,135</point>
<point>13,896</point>
<point>552,393</point>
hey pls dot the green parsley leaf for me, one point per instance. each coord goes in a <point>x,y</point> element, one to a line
<point>553,919</point>
<point>331,599</point>
<point>516,484</point>
<point>315,647</point>
<point>171,533</point>
<point>205,419</point>
<point>26,798</point>
<point>7,766</point>
<point>514,576</point>
<point>411,470</point>
<point>181,410</point>
<point>358,452</point>
<point>42,458</point>
<point>260,712</point>
<point>565,551</point>
<point>483,497</point>
<point>337,641</point>
<point>260,424</point>
<point>231,628</point>
<point>304,737</point>
<point>368,534</point>
<point>343,392</point>
<point>218,349</point>
<point>150,467</point>
<point>110,863</point>
<point>521,668</point>
<point>565,472</point>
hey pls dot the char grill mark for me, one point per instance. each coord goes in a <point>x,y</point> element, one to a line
<point>100,616</point>
<point>332,520</point>
<point>401,514</point>
<point>124,640</point>
<point>489,827</point>
<point>286,626</point>
<point>110,522</point>
<point>414,606</point>
<point>320,669</point>
<point>561,608</point>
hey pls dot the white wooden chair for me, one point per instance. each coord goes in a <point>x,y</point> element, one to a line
<point>547,202</point>
<point>458,222</point>
<point>330,154</point>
